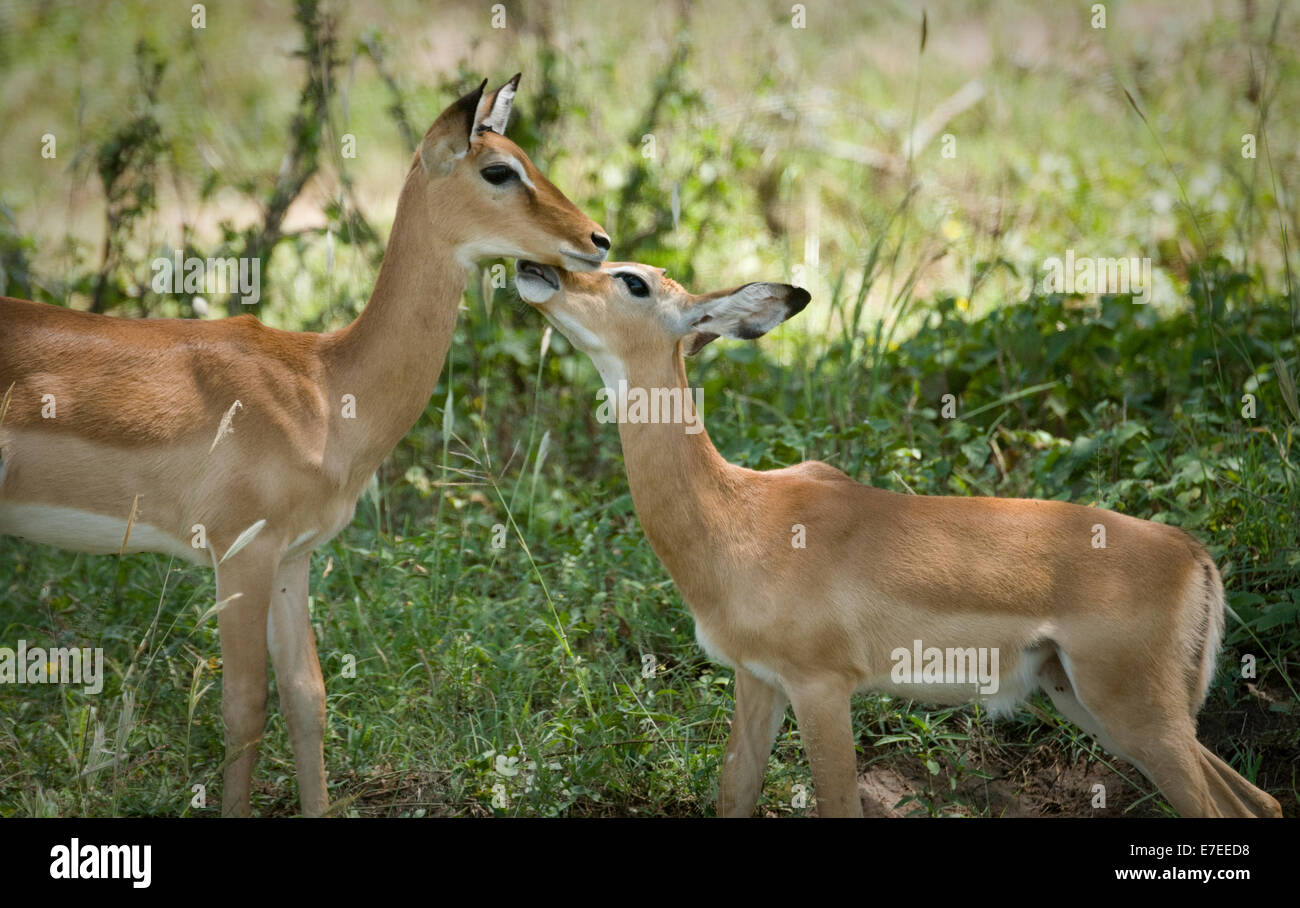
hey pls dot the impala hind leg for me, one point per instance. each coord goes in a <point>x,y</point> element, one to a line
<point>760,710</point>
<point>1159,741</point>
<point>298,679</point>
<point>1259,802</point>
<point>244,584</point>
<point>826,727</point>
<point>1170,756</point>
<point>1056,682</point>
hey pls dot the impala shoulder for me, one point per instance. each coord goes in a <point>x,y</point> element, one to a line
<point>248,329</point>
<point>254,344</point>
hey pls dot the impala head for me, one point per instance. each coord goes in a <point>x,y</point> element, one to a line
<point>492,199</point>
<point>624,312</point>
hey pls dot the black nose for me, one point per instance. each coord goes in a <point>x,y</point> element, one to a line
<point>601,241</point>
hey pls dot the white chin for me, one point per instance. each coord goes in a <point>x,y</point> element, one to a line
<point>574,263</point>
<point>534,290</point>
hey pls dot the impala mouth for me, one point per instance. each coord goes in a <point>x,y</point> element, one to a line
<point>541,272</point>
<point>586,262</point>
<point>535,282</point>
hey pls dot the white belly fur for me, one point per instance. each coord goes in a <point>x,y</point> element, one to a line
<point>83,531</point>
<point>711,649</point>
<point>1014,687</point>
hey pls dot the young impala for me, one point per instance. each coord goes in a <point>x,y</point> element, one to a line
<point>812,586</point>
<point>184,436</point>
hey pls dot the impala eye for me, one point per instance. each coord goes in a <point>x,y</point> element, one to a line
<point>496,174</point>
<point>635,285</point>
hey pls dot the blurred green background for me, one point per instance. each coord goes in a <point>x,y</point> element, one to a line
<point>912,169</point>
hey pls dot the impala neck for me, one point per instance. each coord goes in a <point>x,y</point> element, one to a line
<point>389,358</point>
<point>686,495</point>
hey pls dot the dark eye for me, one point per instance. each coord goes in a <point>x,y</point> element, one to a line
<point>635,285</point>
<point>496,174</point>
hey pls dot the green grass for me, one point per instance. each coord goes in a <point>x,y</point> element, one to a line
<point>522,666</point>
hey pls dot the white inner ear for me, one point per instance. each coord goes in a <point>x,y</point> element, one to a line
<point>749,312</point>
<point>496,118</point>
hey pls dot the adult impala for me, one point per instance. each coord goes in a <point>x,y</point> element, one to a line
<point>812,586</point>
<point>224,430</point>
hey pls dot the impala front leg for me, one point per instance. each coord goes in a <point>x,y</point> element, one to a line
<point>244,583</point>
<point>760,709</point>
<point>298,678</point>
<point>826,727</point>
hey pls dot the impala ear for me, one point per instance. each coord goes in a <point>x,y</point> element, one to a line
<point>744,313</point>
<point>448,139</point>
<point>694,343</point>
<point>493,111</point>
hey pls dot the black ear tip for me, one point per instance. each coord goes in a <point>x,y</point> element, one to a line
<point>514,82</point>
<point>470,100</point>
<point>796,301</point>
<point>467,104</point>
